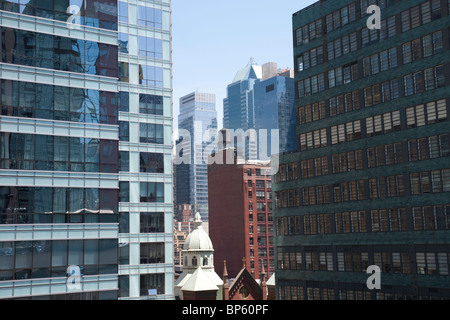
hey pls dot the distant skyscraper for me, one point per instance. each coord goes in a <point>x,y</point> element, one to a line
<point>370,181</point>
<point>274,109</point>
<point>198,116</point>
<point>261,97</point>
<point>238,105</point>
<point>85,136</point>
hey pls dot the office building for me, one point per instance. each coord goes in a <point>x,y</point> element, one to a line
<point>241,224</point>
<point>274,112</point>
<point>260,101</point>
<point>198,120</point>
<point>86,176</point>
<point>370,181</point>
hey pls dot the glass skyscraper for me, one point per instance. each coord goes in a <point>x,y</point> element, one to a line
<point>274,101</point>
<point>198,117</point>
<point>85,129</point>
<point>369,184</point>
<point>261,98</point>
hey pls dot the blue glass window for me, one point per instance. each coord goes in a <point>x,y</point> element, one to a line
<point>150,17</point>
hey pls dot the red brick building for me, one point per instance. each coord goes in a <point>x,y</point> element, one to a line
<point>240,215</point>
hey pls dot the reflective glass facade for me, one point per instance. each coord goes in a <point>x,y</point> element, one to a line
<point>36,100</point>
<point>94,13</point>
<point>53,153</point>
<point>145,146</point>
<point>274,101</point>
<point>58,53</point>
<point>85,154</point>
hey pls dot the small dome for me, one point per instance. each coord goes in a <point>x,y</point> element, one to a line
<point>198,239</point>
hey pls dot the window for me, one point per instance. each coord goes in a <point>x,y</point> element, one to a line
<point>152,253</point>
<point>421,115</point>
<point>150,76</point>
<point>308,32</point>
<point>149,17</point>
<point>309,59</point>
<point>311,85</point>
<point>341,17</point>
<point>346,132</point>
<point>150,47</point>
<point>151,222</point>
<point>152,284</point>
<point>151,133</point>
<point>151,162</point>
<point>376,94</point>
<point>378,62</point>
<point>151,192</point>
<point>123,11</point>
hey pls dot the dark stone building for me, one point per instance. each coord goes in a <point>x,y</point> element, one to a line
<point>370,181</point>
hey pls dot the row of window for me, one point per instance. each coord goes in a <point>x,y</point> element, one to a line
<point>310,59</point>
<point>388,90</point>
<point>20,202</point>
<point>376,220</point>
<point>342,46</point>
<point>314,167</point>
<point>51,258</point>
<point>421,14</point>
<point>380,62</point>
<point>383,123</point>
<point>53,153</point>
<point>423,47</point>
<point>364,4</point>
<point>424,80</point>
<point>342,75</point>
<point>426,46</point>
<point>425,114</point>
<point>91,12</point>
<point>357,259</point>
<point>309,292</point>
<point>295,292</point>
<point>34,100</point>
<point>420,81</point>
<point>309,32</point>
<point>414,83</point>
<point>435,181</point>
<point>420,115</point>
<point>417,149</point>
<point>341,17</point>
<point>337,105</point>
<point>372,36</point>
<point>334,21</point>
<point>58,53</point>
<point>429,147</point>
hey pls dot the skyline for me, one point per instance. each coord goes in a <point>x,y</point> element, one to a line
<point>265,42</point>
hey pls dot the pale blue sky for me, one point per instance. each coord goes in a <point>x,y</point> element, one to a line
<point>213,39</point>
